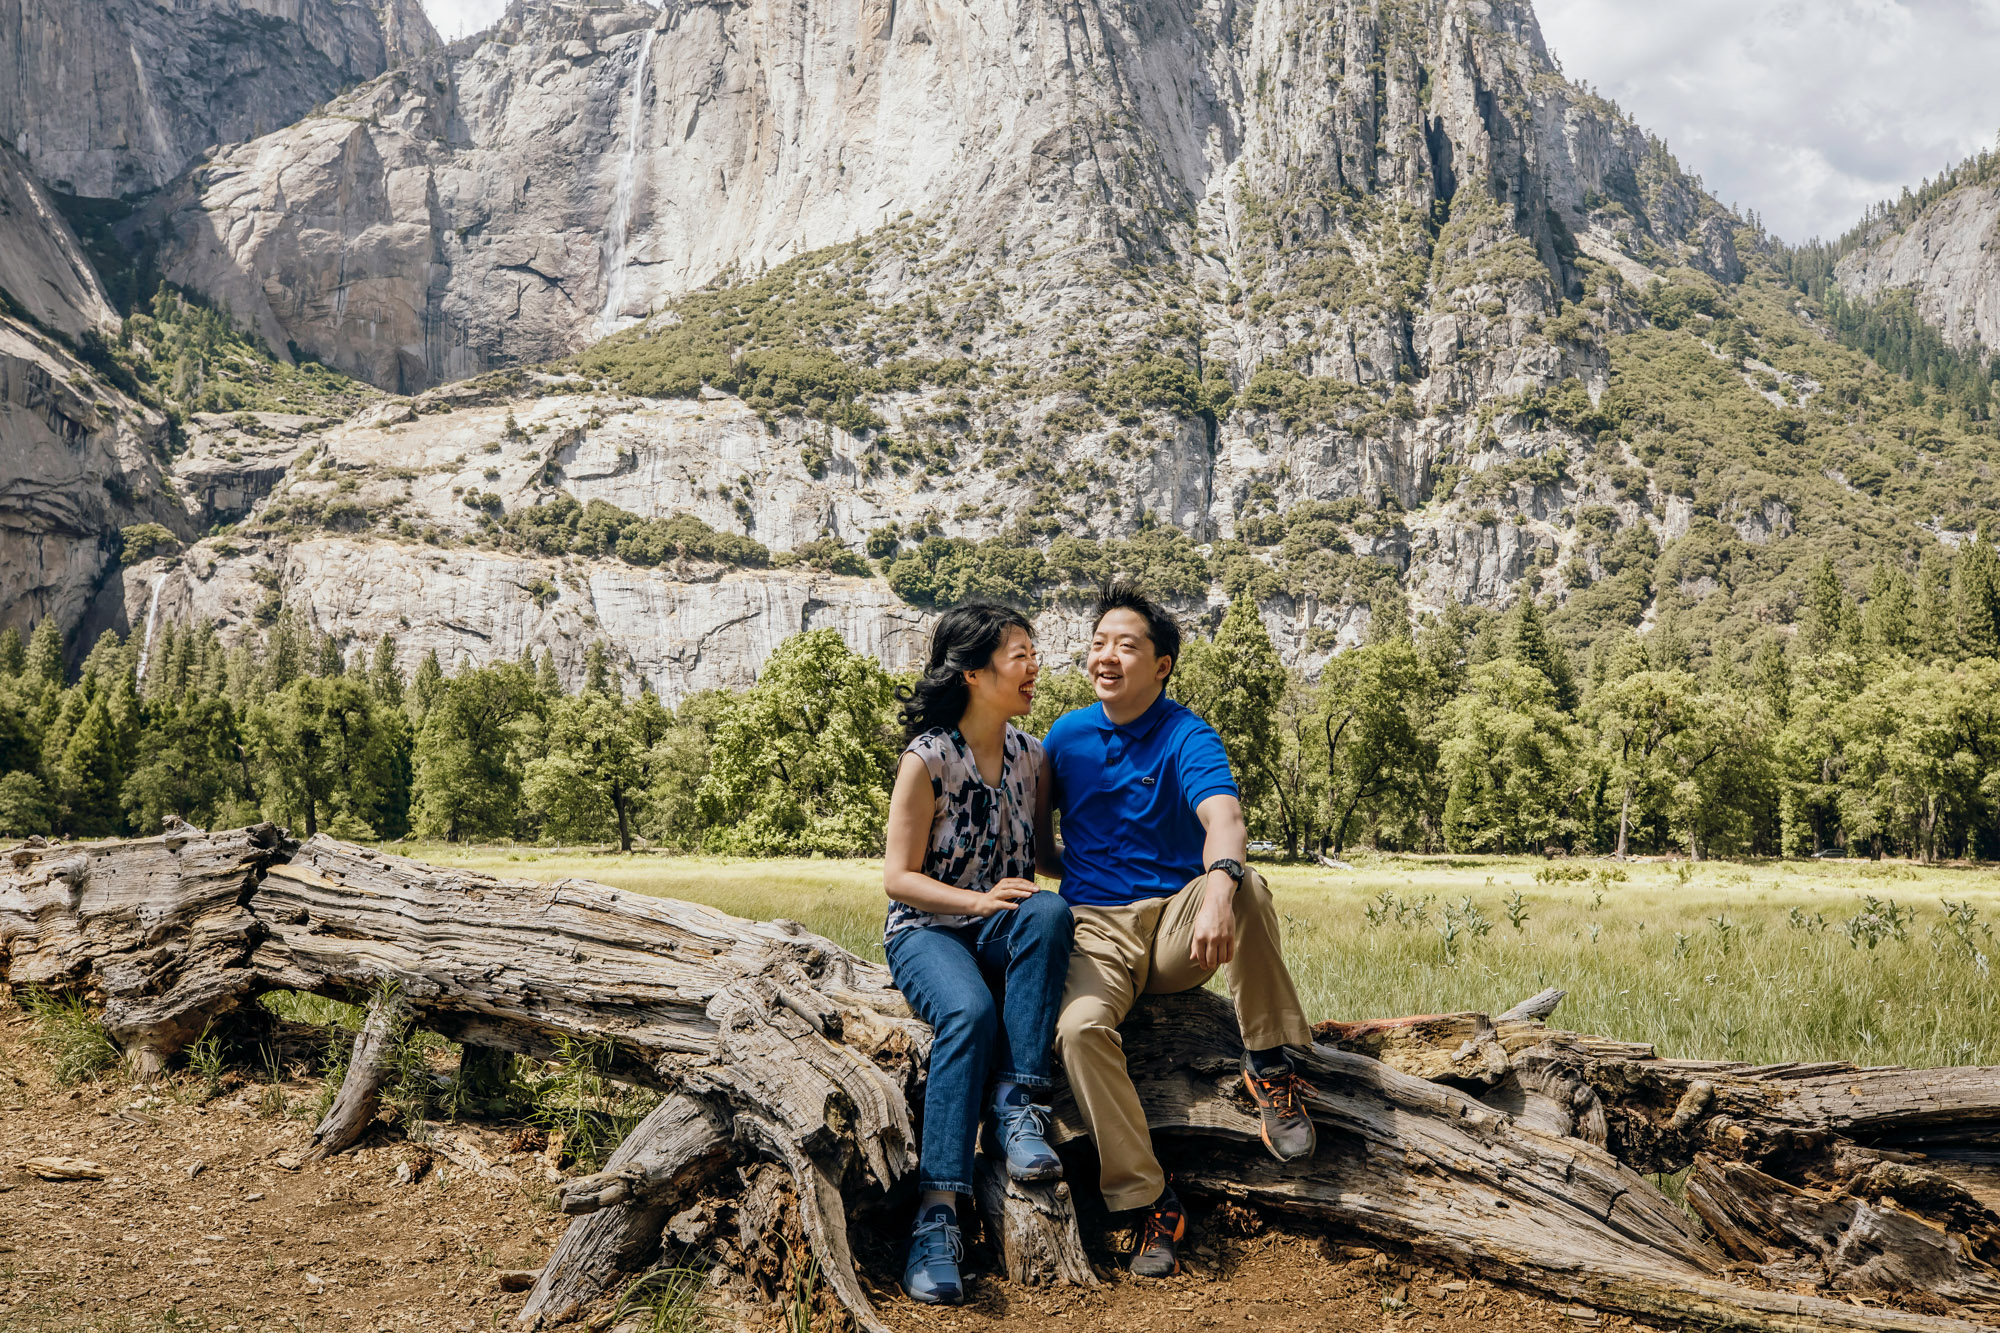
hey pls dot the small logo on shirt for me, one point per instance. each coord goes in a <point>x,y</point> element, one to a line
<point>1146,781</point>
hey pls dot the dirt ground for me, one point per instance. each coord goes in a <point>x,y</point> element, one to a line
<point>196,1227</point>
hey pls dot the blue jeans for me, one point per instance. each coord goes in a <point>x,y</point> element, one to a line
<point>990,993</point>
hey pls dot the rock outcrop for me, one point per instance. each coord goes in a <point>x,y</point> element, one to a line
<point>77,456</point>
<point>1949,257</point>
<point>116,97</point>
<point>44,275</point>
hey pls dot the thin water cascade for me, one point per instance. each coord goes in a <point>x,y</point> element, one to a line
<point>621,202</point>
<point>152,623</point>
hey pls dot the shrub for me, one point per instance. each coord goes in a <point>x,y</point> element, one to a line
<point>143,541</point>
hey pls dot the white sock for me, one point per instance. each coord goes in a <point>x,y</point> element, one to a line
<point>1003,1094</point>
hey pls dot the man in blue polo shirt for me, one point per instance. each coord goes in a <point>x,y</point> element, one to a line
<point>1152,857</point>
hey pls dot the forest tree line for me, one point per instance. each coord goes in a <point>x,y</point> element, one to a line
<point>1874,728</point>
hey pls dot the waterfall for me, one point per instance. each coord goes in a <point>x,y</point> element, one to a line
<point>152,623</point>
<point>621,202</point>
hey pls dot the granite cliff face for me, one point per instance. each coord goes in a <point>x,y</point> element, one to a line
<point>533,188</point>
<point>77,456</point>
<point>1949,258</point>
<point>109,98</point>
<point>1194,264</point>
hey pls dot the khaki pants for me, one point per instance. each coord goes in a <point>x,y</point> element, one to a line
<point>1143,948</point>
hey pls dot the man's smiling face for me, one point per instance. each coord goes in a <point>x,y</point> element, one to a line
<point>1122,666</point>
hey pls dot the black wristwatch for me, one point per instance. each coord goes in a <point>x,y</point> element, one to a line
<point>1233,869</point>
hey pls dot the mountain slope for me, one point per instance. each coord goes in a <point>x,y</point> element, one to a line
<point>116,97</point>
<point>1358,310</point>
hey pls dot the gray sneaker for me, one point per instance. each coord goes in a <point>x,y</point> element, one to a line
<point>1281,1111</point>
<point>1021,1130</point>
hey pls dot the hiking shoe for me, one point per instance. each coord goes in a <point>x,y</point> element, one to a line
<point>1158,1254</point>
<point>1281,1110</point>
<point>1021,1129</point>
<point>930,1274</point>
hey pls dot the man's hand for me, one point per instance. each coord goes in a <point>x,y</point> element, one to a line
<point>1002,896</point>
<point>1215,924</point>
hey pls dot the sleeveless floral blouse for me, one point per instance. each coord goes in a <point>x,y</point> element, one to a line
<point>980,835</point>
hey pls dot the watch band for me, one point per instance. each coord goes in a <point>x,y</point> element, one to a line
<point>1228,866</point>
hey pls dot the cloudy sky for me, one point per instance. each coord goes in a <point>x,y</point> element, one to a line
<point>1804,110</point>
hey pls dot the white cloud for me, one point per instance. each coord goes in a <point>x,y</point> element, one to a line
<point>1807,111</point>
<point>459,18</point>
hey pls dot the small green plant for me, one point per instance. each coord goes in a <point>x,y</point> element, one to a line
<point>575,1097</point>
<point>1964,931</point>
<point>1813,924</point>
<point>275,1103</point>
<point>71,1035</point>
<point>1561,874</point>
<point>1725,930</point>
<point>798,1314</point>
<point>1878,920</point>
<point>1392,909</point>
<point>1517,910</point>
<point>205,1063</point>
<point>667,1300</point>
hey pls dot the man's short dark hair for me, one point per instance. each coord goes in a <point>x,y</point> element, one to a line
<point>1161,628</point>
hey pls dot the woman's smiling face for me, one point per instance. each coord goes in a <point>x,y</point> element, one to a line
<point>1007,683</point>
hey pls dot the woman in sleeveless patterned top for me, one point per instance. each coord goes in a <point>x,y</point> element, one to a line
<point>980,953</point>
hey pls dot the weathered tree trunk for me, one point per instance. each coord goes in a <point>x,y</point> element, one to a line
<point>1035,1228</point>
<point>1499,1145</point>
<point>623,1207</point>
<point>360,1094</point>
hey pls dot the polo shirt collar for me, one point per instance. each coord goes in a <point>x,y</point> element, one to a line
<point>1141,726</point>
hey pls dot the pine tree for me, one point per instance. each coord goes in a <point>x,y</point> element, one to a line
<point>1528,643</point>
<point>1976,599</point>
<point>13,653</point>
<point>1234,683</point>
<point>383,677</point>
<point>45,654</point>
<point>1885,621</point>
<point>1389,617</point>
<point>1666,647</point>
<point>467,765</point>
<point>89,774</point>
<point>1933,624</point>
<point>285,654</point>
<point>547,680</point>
<point>426,688</point>
<point>1826,610</point>
<point>323,749</point>
<point>600,672</point>
<point>332,662</point>
<point>1773,676</point>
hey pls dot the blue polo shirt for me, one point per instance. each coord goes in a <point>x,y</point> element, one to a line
<point>1127,796</point>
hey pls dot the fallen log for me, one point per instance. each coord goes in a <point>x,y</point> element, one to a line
<point>1498,1145</point>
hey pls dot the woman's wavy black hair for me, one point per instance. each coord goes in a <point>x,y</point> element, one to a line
<point>965,640</point>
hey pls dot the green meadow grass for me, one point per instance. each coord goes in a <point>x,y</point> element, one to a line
<point>1714,960</point>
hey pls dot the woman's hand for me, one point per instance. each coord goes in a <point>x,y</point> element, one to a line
<point>1002,896</point>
